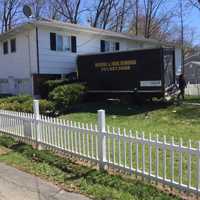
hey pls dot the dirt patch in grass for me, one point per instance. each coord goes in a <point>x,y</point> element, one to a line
<point>4,151</point>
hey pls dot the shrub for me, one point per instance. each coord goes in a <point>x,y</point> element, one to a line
<point>47,107</point>
<point>50,85</point>
<point>25,104</point>
<point>66,96</point>
<point>6,141</point>
<point>18,99</point>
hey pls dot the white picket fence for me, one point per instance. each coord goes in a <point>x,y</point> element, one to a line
<point>193,90</point>
<point>166,162</point>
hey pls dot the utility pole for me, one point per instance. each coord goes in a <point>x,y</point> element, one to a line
<point>136,16</point>
<point>182,35</point>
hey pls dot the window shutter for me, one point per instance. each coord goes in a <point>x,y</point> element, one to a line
<point>5,47</point>
<point>102,45</point>
<point>117,46</point>
<point>13,45</point>
<point>53,41</point>
<point>73,44</point>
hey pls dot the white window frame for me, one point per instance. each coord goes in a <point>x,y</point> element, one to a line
<point>110,46</point>
<point>57,42</point>
<point>66,43</point>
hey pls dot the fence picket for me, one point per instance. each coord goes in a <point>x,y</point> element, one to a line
<point>189,165</point>
<point>119,147</point>
<point>157,157</point>
<point>164,158</point>
<point>130,152</point>
<point>137,158</point>
<point>113,145</point>
<point>198,169</point>
<point>172,160</point>
<point>124,147</point>
<point>87,140</point>
<point>150,158</point>
<point>143,154</point>
<point>180,162</point>
<point>108,145</point>
<point>83,140</point>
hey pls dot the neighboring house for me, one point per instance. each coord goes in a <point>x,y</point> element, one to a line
<point>47,49</point>
<point>192,69</point>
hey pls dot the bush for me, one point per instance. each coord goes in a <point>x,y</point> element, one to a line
<point>6,141</point>
<point>50,85</point>
<point>18,99</point>
<point>25,104</point>
<point>47,107</point>
<point>66,96</point>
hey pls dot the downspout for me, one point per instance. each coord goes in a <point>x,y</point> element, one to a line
<point>38,61</point>
<point>30,71</point>
<point>37,49</point>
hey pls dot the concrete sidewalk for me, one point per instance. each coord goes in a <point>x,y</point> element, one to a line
<point>17,185</point>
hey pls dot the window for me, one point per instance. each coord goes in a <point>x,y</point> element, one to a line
<point>66,43</point>
<point>102,44</point>
<point>62,43</point>
<point>73,44</point>
<point>53,41</point>
<point>13,45</point>
<point>109,46</point>
<point>140,45</point>
<point>117,46</point>
<point>59,42</point>
<point>5,47</point>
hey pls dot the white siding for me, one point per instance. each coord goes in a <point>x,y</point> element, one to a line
<point>55,62</point>
<point>17,66</point>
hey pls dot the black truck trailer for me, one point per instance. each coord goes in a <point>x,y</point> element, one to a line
<point>143,73</point>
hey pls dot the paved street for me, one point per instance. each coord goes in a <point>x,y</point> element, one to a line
<point>17,185</point>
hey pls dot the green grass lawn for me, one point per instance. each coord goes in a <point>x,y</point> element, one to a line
<point>179,121</point>
<point>74,177</point>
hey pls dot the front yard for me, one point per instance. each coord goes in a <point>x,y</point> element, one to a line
<point>179,121</point>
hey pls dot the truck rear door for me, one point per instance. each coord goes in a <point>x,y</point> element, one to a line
<point>169,67</point>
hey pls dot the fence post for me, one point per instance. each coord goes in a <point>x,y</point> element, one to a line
<point>36,110</point>
<point>102,139</point>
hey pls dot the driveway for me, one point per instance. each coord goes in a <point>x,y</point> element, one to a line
<point>17,185</point>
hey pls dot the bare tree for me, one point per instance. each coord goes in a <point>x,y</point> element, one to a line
<point>69,9</point>
<point>151,10</point>
<point>123,11</point>
<point>195,3</point>
<point>52,10</point>
<point>9,11</point>
<point>101,13</point>
<point>136,16</point>
<point>152,19</point>
<point>134,25</point>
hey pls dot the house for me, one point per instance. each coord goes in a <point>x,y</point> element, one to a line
<point>192,69</point>
<point>45,49</point>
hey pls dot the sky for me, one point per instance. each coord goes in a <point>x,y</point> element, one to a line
<point>193,20</point>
